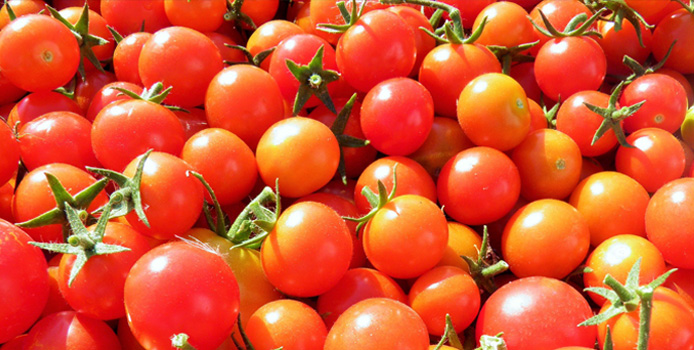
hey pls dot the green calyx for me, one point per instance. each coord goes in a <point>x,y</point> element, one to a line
<point>10,12</point>
<point>85,40</point>
<point>486,266</point>
<point>628,297</point>
<point>127,198</point>
<point>496,342</point>
<point>64,200</point>
<point>449,336</point>
<point>509,55</point>
<point>377,201</point>
<point>338,128</point>
<point>313,80</point>
<point>620,11</point>
<point>578,26</point>
<point>180,341</point>
<point>638,70</point>
<point>234,14</point>
<point>256,60</point>
<point>82,243</point>
<point>155,94</point>
<point>350,18</point>
<point>612,117</point>
<point>687,6</point>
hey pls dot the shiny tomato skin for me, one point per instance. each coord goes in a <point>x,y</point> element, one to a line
<point>617,43</point>
<point>38,53</point>
<point>669,222</point>
<point>665,106</point>
<point>129,16</point>
<point>107,95</point>
<point>286,323</point>
<point>268,35</point>
<point>387,324</point>
<point>577,121</point>
<point>70,330</point>
<point>37,104</point>
<point>203,16</point>
<point>507,25</point>
<point>10,153</point>
<point>678,25</point>
<point>25,282</point>
<point>444,141</point>
<point>556,307</point>
<point>97,27</point>
<point>559,13</point>
<point>479,185</point>
<point>158,307</point>
<point>423,41</point>
<point>462,240</point>
<point>20,8</point>
<point>397,115</point>
<point>127,55</point>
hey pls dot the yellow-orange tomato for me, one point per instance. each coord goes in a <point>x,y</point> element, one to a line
<point>493,111</point>
<point>445,140</point>
<point>507,25</point>
<point>462,240</point>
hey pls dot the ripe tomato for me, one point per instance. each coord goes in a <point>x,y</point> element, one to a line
<point>357,285</point>
<point>308,251</point>
<point>9,93</point>
<point>669,222</point>
<point>441,291</point>
<point>327,12</point>
<point>166,187</point>
<point>301,153</point>
<point>493,111</point>
<point>406,237</point>
<point>657,158</point>
<point>379,46</point>
<point>286,323</point>
<point>20,8</point>
<point>193,121</point>
<point>127,55</point>
<point>163,294</point>
<point>201,15</point>
<point>269,35</point>
<point>559,13</point>
<point>86,89</point>
<point>376,324</point>
<point>397,115</point>
<point>672,324</point>
<point>462,240</point>
<point>547,238</point>
<point>97,27</point>
<point>128,16</point>
<point>445,140</point>
<point>172,56</point>
<point>577,121</point>
<point>678,25</point>
<point>219,155</point>
<point>10,151</point>
<point>423,41</point>
<point>554,306</point>
<point>617,43</point>
<point>37,104</point>
<point>69,330</point>
<point>38,53</point>
<point>507,25</point>
<point>612,204</point>
<point>245,100</point>
<point>479,185</point>
<point>665,107</point>
<point>108,95</point>
<point>25,282</point>
<point>616,256</point>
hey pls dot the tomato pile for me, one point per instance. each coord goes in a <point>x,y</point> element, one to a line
<point>393,174</point>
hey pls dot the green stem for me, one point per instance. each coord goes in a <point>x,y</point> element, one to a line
<point>180,341</point>
<point>645,320</point>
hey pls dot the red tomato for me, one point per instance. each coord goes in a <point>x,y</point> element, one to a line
<point>559,13</point>
<point>479,185</point>
<point>327,12</point>
<point>97,27</point>
<point>556,307</point>
<point>128,16</point>
<point>38,53</point>
<point>665,107</point>
<point>445,140</point>
<point>462,240</point>
<point>507,25</point>
<point>269,35</point>
<point>397,115</point>
<point>357,285</point>
<point>108,95</point>
<point>308,251</point>
<point>9,92</point>
<point>228,54</point>
<point>617,43</point>
<point>286,323</point>
<point>201,15</point>
<point>37,104</point>
<point>193,121</point>
<point>172,56</point>
<point>423,41</point>
<point>127,55</point>
<point>577,121</point>
<point>69,330</point>
<point>669,222</point>
<point>407,237</point>
<point>20,8</point>
<point>377,324</point>
<point>86,89</point>
<point>158,307</point>
<point>9,153</point>
<point>25,282</point>
<point>678,25</point>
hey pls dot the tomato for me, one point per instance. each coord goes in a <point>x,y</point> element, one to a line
<point>193,121</point>
<point>376,324</point>
<point>682,282</point>
<point>327,12</point>
<point>128,16</point>
<point>445,140</point>
<point>407,237</point>
<point>524,74</point>
<point>493,111</point>
<point>9,92</point>
<point>125,336</point>
<point>682,80</point>
<point>357,285</point>
<point>202,15</point>
<point>38,53</point>
<point>507,25</point>
<point>166,187</point>
<point>616,256</point>
<point>86,89</point>
<point>126,57</point>
<point>34,197</point>
<point>549,163</point>
<point>163,294</point>
<point>57,137</point>
<point>462,240</point>
<point>448,68</point>
<point>469,9</point>
<point>580,123</point>
<point>71,330</point>
<point>56,301</point>
<point>115,124</point>
<point>612,204</point>
<point>25,282</point>
<point>397,115</point>
<point>412,178</point>
<point>10,151</point>
<point>289,324</point>
<point>678,25</point>
<point>20,8</point>
<point>228,54</point>
<point>269,35</point>
<point>192,55</point>
<point>107,94</point>
<point>657,158</point>
<point>260,11</point>
<point>445,290</point>
<point>554,306</point>
<point>308,251</point>
<point>547,238</point>
<point>617,43</point>
<point>669,222</point>
<point>16,343</point>
<point>581,56</point>
<point>97,27</point>
<point>379,46</point>
<point>423,41</point>
<point>37,104</point>
<point>219,155</point>
<point>93,4</point>
<point>479,185</point>
<point>245,100</point>
<point>665,106</point>
<point>6,199</point>
<point>559,13</point>
<point>301,153</point>
<point>672,324</point>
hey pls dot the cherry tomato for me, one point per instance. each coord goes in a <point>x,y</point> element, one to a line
<point>97,27</point>
<point>126,57</point>
<point>129,16</point>
<point>678,25</point>
<point>669,222</point>
<point>617,43</point>
<point>10,153</point>
<point>269,35</point>
<point>69,330</point>
<point>559,13</point>
<point>20,8</point>
<point>108,95</point>
<point>665,107</point>
<point>507,25</point>
<point>423,41</point>
<point>289,324</point>
<point>580,123</point>
<point>445,140</point>
<point>86,89</point>
<point>462,240</point>
<point>37,104</point>
<point>201,15</point>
